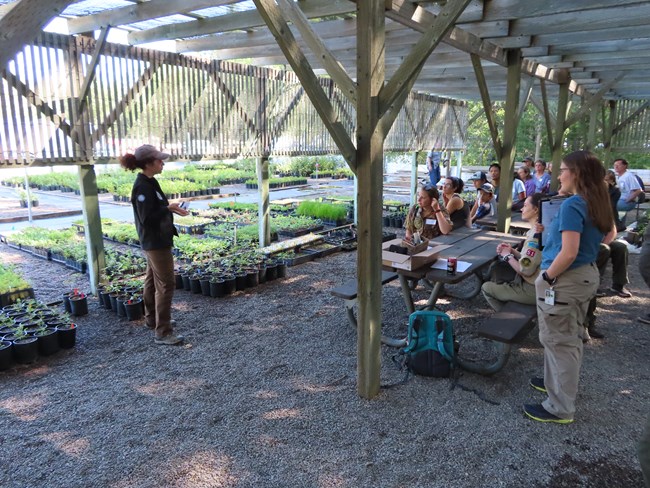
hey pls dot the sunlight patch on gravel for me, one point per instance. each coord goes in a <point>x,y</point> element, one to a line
<point>165,388</point>
<point>282,413</point>
<point>25,408</point>
<point>67,443</point>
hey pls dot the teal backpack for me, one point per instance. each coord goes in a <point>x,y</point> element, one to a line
<point>430,344</point>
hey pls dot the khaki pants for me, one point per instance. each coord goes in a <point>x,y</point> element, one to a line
<point>497,294</point>
<point>561,332</point>
<point>159,285</point>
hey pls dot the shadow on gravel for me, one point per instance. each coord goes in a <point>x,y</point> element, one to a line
<point>570,472</point>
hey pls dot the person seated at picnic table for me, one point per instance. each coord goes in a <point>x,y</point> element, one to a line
<point>526,177</point>
<point>478,179</point>
<point>614,196</point>
<point>541,177</point>
<point>525,263</point>
<point>457,208</point>
<point>484,204</point>
<point>427,218</point>
<point>518,189</point>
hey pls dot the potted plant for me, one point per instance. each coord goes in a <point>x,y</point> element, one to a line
<point>23,199</point>
<point>78,303</point>
<point>67,333</point>
<point>47,340</point>
<point>25,348</point>
<point>133,308</point>
<point>6,355</point>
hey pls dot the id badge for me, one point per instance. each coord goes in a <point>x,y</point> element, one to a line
<point>549,298</point>
<point>431,222</point>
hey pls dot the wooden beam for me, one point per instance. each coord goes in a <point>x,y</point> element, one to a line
<point>515,9</point>
<point>525,97</point>
<point>91,69</point>
<point>407,73</point>
<point>139,12</point>
<point>487,104</point>
<point>558,142</point>
<point>592,101</point>
<point>547,115</point>
<point>591,135</point>
<point>263,208</point>
<point>369,170</point>
<point>507,156</point>
<point>334,69</point>
<point>618,128</point>
<point>236,21</point>
<point>22,23</point>
<point>276,23</point>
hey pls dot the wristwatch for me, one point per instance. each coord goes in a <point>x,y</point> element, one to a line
<point>550,281</point>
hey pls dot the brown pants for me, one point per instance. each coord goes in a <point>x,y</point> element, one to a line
<point>159,285</point>
<point>561,332</point>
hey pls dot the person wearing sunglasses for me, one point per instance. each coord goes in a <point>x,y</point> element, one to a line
<point>427,217</point>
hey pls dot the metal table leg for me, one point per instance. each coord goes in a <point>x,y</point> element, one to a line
<point>352,318</point>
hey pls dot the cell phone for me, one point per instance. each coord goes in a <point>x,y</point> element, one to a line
<point>185,205</point>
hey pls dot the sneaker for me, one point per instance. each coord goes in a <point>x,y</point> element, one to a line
<point>537,383</point>
<point>539,413</point>
<point>169,340</point>
<point>621,291</point>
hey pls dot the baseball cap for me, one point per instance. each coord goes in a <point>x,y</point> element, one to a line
<point>479,175</point>
<point>487,187</point>
<point>147,151</point>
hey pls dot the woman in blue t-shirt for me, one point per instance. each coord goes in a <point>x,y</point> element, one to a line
<point>568,280</point>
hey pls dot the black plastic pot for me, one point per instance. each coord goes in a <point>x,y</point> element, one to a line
<point>78,305</point>
<point>282,270</point>
<point>25,350</point>
<point>217,288</point>
<point>230,284</point>
<point>195,284</point>
<point>205,287</point>
<point>66,302</point>
<point>105,299</point>
<point>121,310</point>
<point>6,355</point>
<point>179,281</point>
<point>271,272</point>
<point>113,299</point>
<point>48,342</point>
<point>67,335</point>
<point>186,283</point>
<point>262,274</point>
<point>252,278</point>
<point>240,281</point>
<point>133,310</point>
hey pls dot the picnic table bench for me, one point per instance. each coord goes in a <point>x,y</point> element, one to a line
<point>348,292</point>
<point>506,327</point>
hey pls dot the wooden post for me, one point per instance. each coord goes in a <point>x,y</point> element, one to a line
<point>611,121</point>
<point>414,177</point>
<point>591,137</point>
<point>558,142</point>
<point>263,205</point>
<point>92,224</point>
<point>369,158</point>
<point>507,155</point>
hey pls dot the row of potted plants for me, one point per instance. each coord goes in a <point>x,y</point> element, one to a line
<point>282,182</point>
<point>123,297</point>
<point>13,286</point>
<point>29,329</point>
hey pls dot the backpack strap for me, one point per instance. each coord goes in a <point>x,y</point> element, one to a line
<point>442,348</point>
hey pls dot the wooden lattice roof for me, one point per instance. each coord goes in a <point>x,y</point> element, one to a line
<point>601,44</point>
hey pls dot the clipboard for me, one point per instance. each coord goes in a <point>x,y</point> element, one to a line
<point>548,209</point>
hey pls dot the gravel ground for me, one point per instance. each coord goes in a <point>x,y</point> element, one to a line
<point>264,395</point>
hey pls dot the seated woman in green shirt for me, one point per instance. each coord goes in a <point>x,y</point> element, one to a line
<point>427,217</point>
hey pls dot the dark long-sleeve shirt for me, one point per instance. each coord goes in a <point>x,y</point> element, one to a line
<point>153,220</point>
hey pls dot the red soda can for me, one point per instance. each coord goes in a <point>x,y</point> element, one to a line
<point>451,265</point>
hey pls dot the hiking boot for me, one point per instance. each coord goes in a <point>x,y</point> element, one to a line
<point>537,383</point>
<point>169,340</point>
<point>594,333</point>
<point>621,291</point>
<point>539,413</point>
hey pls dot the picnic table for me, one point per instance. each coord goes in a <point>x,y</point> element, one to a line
<point>517,224</point>
<point>474,246</point>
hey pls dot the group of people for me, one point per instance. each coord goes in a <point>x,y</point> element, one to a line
<point>563,278</point>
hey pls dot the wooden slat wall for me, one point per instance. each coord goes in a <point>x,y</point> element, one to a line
<point>635,135</point>
<point>191,108</point>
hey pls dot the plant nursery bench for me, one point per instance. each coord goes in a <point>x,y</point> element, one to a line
<point>506,327</point>
<point>348,292</point>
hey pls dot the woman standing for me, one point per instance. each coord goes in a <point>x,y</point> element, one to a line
<point>541,177</point>
<point>568,280</point>
<point>155,225</point>
<point>427,217</point>
<point>457,208</point>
